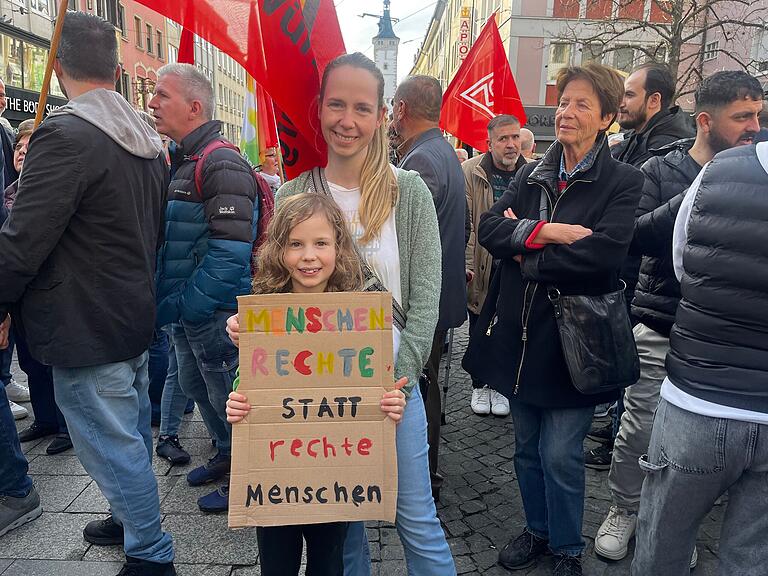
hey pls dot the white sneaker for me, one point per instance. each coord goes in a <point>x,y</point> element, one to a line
<point>614,533</point>
<point>17,392</point>
<point>694,558</point>
<point>499,404</point>
<point>481,401</point>
<point>19,412</point>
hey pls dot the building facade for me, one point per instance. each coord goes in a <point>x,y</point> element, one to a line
<point>26,27</point>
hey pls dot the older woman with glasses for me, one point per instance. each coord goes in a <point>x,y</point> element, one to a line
<point>565,224</point>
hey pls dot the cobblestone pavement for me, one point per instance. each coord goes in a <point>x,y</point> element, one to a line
<point>480,508</point>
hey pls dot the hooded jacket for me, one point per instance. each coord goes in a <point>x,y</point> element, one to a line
<point>515,346</point>
<point>667,175</point>
<point>77,253</point>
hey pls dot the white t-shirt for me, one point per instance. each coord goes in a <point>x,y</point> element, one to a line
<point>382,253</point>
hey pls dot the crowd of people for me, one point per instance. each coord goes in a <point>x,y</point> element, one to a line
<point>625,272</point>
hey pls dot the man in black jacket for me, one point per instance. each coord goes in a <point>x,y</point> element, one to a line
<point>727,104</point>
<point>649,115</point>
<point>651,121</point>
<point>416,111</point>
<point>78,271</point>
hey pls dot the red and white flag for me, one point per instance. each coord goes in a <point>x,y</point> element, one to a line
<point>285,45</point>
<point>482,89</point>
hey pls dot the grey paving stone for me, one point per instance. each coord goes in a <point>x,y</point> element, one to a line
<point>4,564</point>
<point>206,539</point>
<point>246,571</point>
<point>91,499</point>
<point>203,570</point>
<point>182,498</point>
<point>58,465</point>
<point>62,568</point>
<point>53,536</point>
<point>58,492</point>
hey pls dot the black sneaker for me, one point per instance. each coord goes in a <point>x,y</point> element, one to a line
<point>523,551</point>
<point>36,431</point>
<point>105,532</point>
<point>567,566</point>
<point>136,567</point>
<point>599,458</point>
<point>60,444</point>
<point>603,434</point>
<point>168,447</point>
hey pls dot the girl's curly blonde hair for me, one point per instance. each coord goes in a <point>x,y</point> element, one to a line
<point>273,276</point>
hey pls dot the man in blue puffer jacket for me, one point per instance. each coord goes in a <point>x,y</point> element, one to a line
<point>205,261</point>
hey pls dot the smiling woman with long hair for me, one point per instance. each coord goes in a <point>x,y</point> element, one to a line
<point>391,215</point>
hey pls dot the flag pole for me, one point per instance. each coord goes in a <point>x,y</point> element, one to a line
<point>60,15</point>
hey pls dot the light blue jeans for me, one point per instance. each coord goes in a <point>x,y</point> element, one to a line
<point>174,401</point>
<point>426,549</point>
<point>207,362</point>
<point>692,460</point>
<point>108,414</point>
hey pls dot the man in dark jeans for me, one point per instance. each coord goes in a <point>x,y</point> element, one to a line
<point>416,112</point>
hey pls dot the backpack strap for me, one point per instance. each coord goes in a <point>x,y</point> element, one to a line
<point>199,160</point>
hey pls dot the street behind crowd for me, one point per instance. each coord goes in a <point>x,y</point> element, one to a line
<point>480,507</point>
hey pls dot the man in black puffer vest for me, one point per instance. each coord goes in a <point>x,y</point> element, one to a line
<point>726,107</point>
<point>710,432</point>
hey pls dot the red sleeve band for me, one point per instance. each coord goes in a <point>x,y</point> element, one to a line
<point>529,243</point>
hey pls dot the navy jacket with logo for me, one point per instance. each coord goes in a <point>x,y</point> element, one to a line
<point>205,261</point>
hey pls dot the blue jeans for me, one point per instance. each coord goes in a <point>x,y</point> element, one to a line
<point>6,358</point>
<point>208,362</point>
<point>14,481</point>
<point>549,462</point>
<point>108,413</point>
<point>174,401</point>
<point>426,549</point>
<point>692,460</point>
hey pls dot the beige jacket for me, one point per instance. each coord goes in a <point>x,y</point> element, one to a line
<point>479,200</point>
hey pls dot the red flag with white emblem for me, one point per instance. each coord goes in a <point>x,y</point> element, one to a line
<point>482,89</point>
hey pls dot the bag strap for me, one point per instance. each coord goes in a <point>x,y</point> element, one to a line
<point>200,157</point>
<point>371,282</point>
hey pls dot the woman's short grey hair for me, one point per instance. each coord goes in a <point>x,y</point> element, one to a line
<point>196,85</point>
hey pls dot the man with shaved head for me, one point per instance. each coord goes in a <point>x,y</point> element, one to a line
<point>527,144</point>
<point>415,114</point>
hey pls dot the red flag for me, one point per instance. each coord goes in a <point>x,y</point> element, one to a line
<point>187,47</point>
<point>482,88</point>
<point>267,124</point>
<point>285,45</point>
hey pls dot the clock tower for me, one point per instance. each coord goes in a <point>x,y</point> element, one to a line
<point>385,45</point>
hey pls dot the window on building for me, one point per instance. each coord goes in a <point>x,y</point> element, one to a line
<point>173,54</point>
<point>160,45</point>
<point>559,57</point>
<point>41,6</point>
<point>150,50</point>
<point>659,54</point>
<point>137,28</point>
<point>624,58</point>
<point>101,9</point>
<point>125,86</point>
<point>711,50</point>
<point>592,53</point>
<point>121,20</point>
<point>73,5</point>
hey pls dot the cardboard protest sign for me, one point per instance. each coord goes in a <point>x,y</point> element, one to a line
<point>316,446</point>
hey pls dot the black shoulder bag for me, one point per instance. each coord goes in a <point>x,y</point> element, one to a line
<point>597,339</point>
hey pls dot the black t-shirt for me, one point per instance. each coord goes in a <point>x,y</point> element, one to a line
<point>499,179</point>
